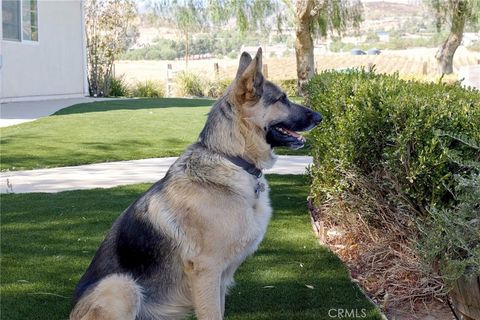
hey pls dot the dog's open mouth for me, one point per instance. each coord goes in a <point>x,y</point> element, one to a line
<point>279,136</point>
<point>286,132</point>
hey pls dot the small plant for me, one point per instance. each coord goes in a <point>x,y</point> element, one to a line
<point>217,87</point>
<point>232,55</point>
<point>451,237</point>
<point>189,84</point>
<point>119,87</point>
<point>149,89</point>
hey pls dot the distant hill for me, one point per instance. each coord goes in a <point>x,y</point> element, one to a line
<point>378,9</point>
<point>409,2</point>
<point>396,15</point>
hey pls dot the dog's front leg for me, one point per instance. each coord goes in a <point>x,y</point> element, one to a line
<point>205,285</point>
<point>227,282</point>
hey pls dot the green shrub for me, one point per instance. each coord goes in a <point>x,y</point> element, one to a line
<point>232,55</point>
<point>168,54</point>
<point>119,87</point>
<point>149,89</point>
<point>153,54</point>
<point>388,156</point>
<point>219,44</point>
<point>378,121</point>
<point>217,87</point>
<point>189,84</point>
<point>451,237</point>
<point>135,54</point>
<point>289,86</point>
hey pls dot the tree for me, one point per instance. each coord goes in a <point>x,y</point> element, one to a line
<point>319,16</point>
<point>456,13</point>
<point>108,31</point>
<point>310,16</point>
<point>185,15</point>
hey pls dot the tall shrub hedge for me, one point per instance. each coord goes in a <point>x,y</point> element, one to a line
<point>387,153</point>
<point>410,129</point>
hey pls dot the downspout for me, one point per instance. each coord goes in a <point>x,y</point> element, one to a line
<point>84,48</point>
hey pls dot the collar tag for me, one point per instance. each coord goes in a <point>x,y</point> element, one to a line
<point>260,187</point>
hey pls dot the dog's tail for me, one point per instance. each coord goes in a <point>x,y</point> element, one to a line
<point>116,297</point>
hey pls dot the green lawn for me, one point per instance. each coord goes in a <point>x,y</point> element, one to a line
<point>49,239</point>
<point>106,131</point>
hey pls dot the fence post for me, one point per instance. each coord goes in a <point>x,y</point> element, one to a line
<point>425,68</point>
<point>169,80</point>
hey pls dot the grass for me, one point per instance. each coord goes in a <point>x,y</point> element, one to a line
<point>106,131</point>
<point>48,241</point>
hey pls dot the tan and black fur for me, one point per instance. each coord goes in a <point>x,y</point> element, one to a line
<point>176,248</point>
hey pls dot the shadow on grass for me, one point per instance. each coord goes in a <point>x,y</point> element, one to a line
<point>287,300</point>
<point>134,104</point>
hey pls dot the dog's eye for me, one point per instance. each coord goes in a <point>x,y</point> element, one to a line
<point>283,99</point>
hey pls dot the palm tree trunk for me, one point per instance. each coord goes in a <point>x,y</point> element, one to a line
<point>304,44</point>
<point>446,52</point>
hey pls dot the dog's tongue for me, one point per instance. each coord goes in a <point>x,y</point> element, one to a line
<point>292,133</point>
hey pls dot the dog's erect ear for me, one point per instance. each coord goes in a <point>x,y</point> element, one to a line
<point>249,79</point>
<point>245,60</point>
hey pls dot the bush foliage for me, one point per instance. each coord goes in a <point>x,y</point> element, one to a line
<point>289,86</point>
<point>118,87</point>
<point>216,88</point>
<point>218,44</point>
<point>149,89</point>
<point>389,156</point>
<point>189,84</point>
<point>378,121</point>
<point>452,235</point>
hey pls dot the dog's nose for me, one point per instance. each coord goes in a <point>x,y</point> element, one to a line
<point>316,117</point>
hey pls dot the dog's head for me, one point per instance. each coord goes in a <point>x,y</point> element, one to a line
<point>268,108</point>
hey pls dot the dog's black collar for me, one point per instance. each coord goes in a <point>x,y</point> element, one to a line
<point>245,165</point>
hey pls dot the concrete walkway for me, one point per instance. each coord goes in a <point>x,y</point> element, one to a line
<point>12,113</point>
<point>110,174</point>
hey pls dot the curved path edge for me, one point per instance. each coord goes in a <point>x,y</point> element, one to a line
<point>111,174</point>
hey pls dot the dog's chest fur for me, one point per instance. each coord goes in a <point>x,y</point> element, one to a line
<point>249,223</point>
<point>223,216</point>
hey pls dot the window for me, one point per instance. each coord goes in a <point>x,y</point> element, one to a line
<point>20,20</point>
<point>11,19</point>
<point>29,19</point>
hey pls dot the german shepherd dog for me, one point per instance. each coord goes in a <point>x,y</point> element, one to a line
<point>176,248</point>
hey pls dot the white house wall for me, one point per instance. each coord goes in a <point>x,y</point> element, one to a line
<point>55,65</point>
